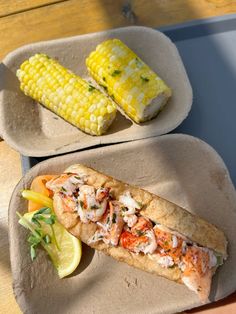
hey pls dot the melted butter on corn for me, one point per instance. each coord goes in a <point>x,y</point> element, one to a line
<point>139,91</point>
<point>66,94</point>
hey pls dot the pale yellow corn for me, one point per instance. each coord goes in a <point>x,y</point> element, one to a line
<point>66,94</point>
<point>139,91</point>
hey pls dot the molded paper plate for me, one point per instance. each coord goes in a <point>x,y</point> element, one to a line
<point>35,131</point>
<point>180,168</point>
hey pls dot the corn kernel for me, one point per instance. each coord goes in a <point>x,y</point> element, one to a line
<point>81,112</point>
<point>110,109</point>
<point>93,118</point>
<point>87,123</point>
<point>103,111</point>
<point>82,121</point>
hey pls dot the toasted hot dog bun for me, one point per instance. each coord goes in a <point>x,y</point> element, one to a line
<point>155,208</point>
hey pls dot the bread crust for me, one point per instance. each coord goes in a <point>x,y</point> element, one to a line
<point>155,208</point>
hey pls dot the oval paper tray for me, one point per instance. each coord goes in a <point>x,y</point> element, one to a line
<point>180,168</point>
<point>35,131</point>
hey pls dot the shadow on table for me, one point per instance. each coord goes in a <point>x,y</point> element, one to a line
<point>8,79</point>
<point>227,301</point>
<point>4,245</point>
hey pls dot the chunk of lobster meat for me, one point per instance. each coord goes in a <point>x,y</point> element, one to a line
<point>91,214</point>
<point>197,259</point>
<point>110,225</point>
<point>132,242</point>
<point>131,220</point>
<point>89,208</point>
<point>129,203</point>
<point>68,202</point>
<point>198,270</point>
<point>142,225</point>
<point>116,223</point>
<point>65,183</point>
<point>145,243</point>
<point>102,193</point>
<point>169,243</point>
<point>200,284</point>
<point>87,195</point>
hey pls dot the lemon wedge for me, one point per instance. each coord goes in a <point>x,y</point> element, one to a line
<point>65,250</point>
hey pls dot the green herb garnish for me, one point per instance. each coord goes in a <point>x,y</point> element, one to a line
<point>115,73</point>
<point>32,252</point>
<point>114,218</point>
<point>103,86</point>
<point>139,232</point>
<point>91,88</point>
<point>49,221</point>
<point>35,221</point>
<point>144,79</point>
<point>138,62</point>
<point>33,240</point>
<point>39,232</point>
<point>37,236</point>
<point>63,189</point>
<point>94,206</point>
<point>43,210</point>
<point>47,239</point>
<point>219,259</point>
<point>140,204</point>
<point>166,243</point>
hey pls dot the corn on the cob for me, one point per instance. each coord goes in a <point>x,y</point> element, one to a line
<point>139,91</point>
<point>66,94</point>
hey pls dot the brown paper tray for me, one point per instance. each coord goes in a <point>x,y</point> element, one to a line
<point>180,168</point>
<point>35,131</point>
